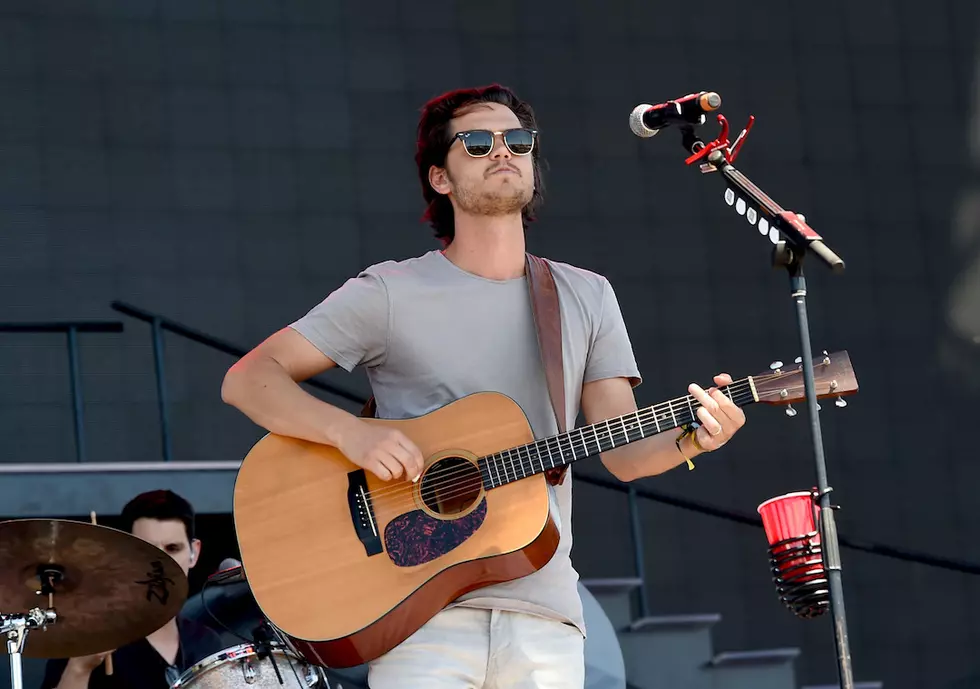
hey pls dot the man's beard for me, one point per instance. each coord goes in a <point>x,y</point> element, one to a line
<point>504,200</point>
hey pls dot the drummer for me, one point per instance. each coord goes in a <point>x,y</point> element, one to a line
<point>166,520</point>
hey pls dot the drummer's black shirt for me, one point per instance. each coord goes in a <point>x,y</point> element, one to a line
<point>140,666</point>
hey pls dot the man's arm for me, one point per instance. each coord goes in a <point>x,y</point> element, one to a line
<point>611,397</point>
<point>264,385</point>
<point>73,674</point>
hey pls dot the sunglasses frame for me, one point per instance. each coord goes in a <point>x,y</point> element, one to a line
<point>493,140</point>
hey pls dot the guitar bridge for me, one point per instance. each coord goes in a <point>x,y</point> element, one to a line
<point>362,512</point>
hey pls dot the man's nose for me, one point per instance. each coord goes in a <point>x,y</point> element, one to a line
<point>500,149</point>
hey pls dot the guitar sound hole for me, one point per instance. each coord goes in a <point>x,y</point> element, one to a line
<point>451,486</point>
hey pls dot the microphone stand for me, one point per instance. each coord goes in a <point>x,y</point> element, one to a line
<point>793,240</point>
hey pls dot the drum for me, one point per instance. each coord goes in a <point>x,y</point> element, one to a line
<point>241,666</point>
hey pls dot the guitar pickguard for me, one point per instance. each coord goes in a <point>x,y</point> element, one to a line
<point>415,538</point>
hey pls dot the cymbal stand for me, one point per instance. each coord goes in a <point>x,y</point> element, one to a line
<point>15,628</point>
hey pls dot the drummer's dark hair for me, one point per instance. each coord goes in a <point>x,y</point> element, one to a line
<point>159,504</point>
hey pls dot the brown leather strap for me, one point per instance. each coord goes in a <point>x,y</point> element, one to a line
<point>547,321</point>
<point>370,408</point>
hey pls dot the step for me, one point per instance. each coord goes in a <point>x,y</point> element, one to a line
<point>663,622</point>
<point>669,651</point>
<point>615,595</point>
<point>764,669</point>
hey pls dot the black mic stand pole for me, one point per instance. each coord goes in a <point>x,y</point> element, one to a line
<point>793,239</point>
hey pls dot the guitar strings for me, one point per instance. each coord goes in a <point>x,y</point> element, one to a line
<point>459,489</point>
<point>643,416</point>
<point>637,425</point>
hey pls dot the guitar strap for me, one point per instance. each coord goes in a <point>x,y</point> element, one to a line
<point>547,322</point>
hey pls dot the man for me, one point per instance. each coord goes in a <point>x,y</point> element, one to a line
<point>449,323</point>
<point>166,520</point>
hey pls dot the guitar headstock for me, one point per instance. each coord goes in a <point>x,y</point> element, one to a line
<point>833,376</point>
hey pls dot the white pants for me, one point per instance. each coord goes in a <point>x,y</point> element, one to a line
<point>468,648</point>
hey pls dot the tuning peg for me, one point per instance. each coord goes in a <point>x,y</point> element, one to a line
<point>841,403</point>
<point>819,407</point>
<point>775,366</point>
<point>790,411</point>
<point>751,216</point>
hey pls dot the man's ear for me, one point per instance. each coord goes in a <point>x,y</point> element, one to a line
<point>195,551</point>
<point>439,179</point>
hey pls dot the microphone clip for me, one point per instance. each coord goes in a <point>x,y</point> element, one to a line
<point>701,150</point>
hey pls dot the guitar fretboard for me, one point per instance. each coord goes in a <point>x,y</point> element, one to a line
<point>558,450</point>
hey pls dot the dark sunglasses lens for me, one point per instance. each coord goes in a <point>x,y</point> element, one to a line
<point>478,143</point>
<point>519,141</point>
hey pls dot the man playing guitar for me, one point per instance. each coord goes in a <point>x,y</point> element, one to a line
<point>432,329</point>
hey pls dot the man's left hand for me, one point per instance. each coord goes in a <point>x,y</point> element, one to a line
<point>720,417</point>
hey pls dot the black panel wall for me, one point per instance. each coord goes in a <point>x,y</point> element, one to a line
<point>228,164</point>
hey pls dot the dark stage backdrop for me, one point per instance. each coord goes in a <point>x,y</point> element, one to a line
<point>228,164</point>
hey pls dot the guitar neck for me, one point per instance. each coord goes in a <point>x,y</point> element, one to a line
<point>559,450</point>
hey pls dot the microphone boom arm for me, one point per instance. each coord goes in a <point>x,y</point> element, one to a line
<point>759,209</point>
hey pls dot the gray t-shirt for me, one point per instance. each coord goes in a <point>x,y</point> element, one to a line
<point>430,333</point>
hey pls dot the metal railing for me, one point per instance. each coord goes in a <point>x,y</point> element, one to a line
<point>71,329</point>
<point>160,324</point>
<point>633,493</point>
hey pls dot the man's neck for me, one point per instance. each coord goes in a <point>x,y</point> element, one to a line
<point>166,641</point>
<point>489,246</point>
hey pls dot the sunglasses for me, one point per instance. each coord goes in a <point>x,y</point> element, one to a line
<point>478,143</point>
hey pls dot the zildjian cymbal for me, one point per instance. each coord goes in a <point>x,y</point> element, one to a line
<point>108,588</point>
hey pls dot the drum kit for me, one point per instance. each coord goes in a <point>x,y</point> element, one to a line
<point>71,589</point>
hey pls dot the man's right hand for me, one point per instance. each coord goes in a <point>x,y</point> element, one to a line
<point>78,670</point>
<point>385,452</point>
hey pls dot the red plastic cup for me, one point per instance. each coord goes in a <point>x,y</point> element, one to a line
<point>787,517</point>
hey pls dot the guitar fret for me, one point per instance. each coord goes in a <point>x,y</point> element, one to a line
<point>640,424</point>
<point>626,435</point>
<point>537,453</point>
<point>492,464</point>
<point>671,407</point>
<point>521,460</point>
<point>598,445</point>
<point>728,389</point>
<point>513,467</point>
<point>690,408</point>
<point>547,444</point>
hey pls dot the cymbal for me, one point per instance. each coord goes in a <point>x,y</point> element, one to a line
<point>110,587</point>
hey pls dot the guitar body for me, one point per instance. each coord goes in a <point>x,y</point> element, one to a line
<point>348,566</point>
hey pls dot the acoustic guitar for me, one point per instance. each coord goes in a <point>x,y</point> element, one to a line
<point>348,566</point>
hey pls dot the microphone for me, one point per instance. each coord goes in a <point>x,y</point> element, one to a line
<point>229,572</point>
<point>648,120</point>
